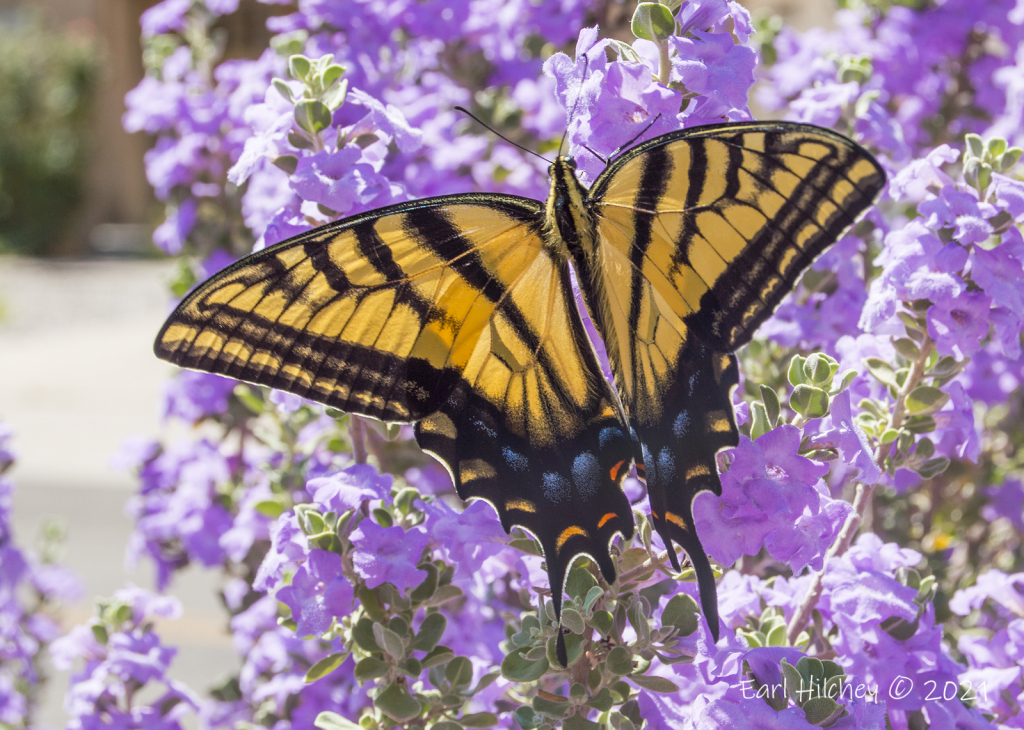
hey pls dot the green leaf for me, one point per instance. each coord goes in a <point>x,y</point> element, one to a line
<point>334,98</point>
<point>550,708</point>
<point>526,717</point>
<point>579,582</point>
<point>882,371</point>
<point>808,401</point>
<point>579,722</point>
<point>272,508</point>
<point>371,668</point>
<point>602,621</point>
<point>817,369</point>
<point>682,612</point>
<point>975,145</point>
<point>653,22</point>
<point>362,634</point>
<point>908,348</point>
<point>298,67</point>
<point>439,655</point>
<point>655,684</point>
<point>758,421</point>
<point>426,590</point>
<point>430,633</point>
<point>412,666</point>
<point>284,90</point>
<point>772,406</point>
<point>572,620</point>
<point>331,74</point>
<point>844,382</point>
<point>820,709</point>
<point>525,545</point>
<point>794,682</point>
<point>479,719</point>
<point>796,371</point>
<point>602,701</point>
<point>459,672</point>
<point>1010,158</point>
<point>446,725</point>
<point>396,702</point>
<point>925,448</point>
<point>619,661</point>
<point>325,666</point>
<point>389,641</point>
<point>334,721</point>
<point>312,115</point>
<point>889,435</point>
<point>445,594</point>
<point>777,636</point>
<point>591,598</point>
<point>932,467</point>
<point>516,668</point>
<point>925,398</point>
<point>382,517</point>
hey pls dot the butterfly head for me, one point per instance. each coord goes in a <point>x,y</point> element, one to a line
<point>562,165</point>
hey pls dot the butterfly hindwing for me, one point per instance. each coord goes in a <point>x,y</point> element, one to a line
<point>538,432</point>
<point>699,234</point>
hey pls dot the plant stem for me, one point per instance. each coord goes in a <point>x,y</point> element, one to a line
<point>861,500</point>
<point>664,64</point>
<point>355,432</point>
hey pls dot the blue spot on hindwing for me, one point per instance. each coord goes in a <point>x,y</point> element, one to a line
<point>681,424</point>
<point>481,426</point>
<point>666,465</point>
<point>515,460</point>
<point>608,436</point>
<point>556,487</point>
<point>586,474</point>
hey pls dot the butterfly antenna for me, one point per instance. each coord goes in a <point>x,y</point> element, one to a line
<point>642,133</point>
<point>479,121</point>
<point>587,148</point>
<point>575,104</point>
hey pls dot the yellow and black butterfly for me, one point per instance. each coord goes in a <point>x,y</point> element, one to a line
<point>456,313</point>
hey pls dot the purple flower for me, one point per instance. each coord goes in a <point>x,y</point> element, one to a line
<point>388,554</point>
<point>318,594</point>
<point>336,179</point>
<point>771,497</point>
<point>1006,500</point>
<point>959,324</point>
<point>712,65</point>
<point>349,488</point>
<point>848,436</point>
<point>165,17</point>
<point>288,546</point>
<point>193,396</point>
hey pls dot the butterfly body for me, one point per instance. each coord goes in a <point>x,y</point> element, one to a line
<point>457,314</point>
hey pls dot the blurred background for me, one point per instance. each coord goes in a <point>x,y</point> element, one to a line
<point>83,292</point>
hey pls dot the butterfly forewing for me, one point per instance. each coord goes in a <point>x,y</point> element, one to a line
<point>699,235</point>
<point>376,315</point>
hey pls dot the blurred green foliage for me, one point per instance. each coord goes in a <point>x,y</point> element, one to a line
<point>48,83</point>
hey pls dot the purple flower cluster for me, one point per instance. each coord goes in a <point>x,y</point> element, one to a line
<point>29,587</point>
<point>121,654</point>
<point>994,646</point>
<point>342,548</point>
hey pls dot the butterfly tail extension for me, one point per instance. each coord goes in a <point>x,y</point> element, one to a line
<point>567,493</point>
<point>679,456</point>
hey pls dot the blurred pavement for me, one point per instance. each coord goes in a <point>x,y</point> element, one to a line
<point>77,377</point>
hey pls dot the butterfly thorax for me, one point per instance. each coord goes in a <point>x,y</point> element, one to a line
<point>568,222</point>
